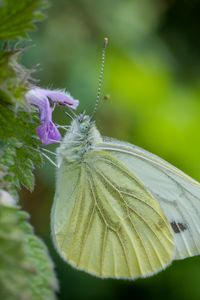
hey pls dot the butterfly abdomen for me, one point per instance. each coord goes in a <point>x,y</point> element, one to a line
<point>78,140</point>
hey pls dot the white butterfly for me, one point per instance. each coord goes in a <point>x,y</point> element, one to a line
<point>120,211</point>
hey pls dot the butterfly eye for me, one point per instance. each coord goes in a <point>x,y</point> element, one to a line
<point>84,127</point>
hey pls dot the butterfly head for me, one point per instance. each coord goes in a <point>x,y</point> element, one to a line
<point>84,123</point>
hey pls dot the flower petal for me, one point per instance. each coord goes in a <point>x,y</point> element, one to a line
<point>36,95</point>
<point>62,98</point>
<point>48,133</point>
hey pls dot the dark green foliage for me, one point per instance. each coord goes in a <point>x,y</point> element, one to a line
<point>19,150</point>
<point>26,271</point>
<point>18,17</point>
<point>14,77</point>
<point>19,144</point>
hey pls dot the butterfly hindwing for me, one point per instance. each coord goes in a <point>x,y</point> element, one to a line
<point>177,193</point>
<point>107,222</point>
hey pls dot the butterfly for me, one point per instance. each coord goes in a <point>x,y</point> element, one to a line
<point>120,211</point>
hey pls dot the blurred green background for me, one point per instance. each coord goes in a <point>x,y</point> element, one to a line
<point>152,75</point>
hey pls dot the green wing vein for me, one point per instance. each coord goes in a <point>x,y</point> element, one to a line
<point>111,225</point>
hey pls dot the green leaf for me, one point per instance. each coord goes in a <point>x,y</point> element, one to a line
<point>19,146</point>
<point>19,149</point>
<point>14,78</point>
<point>17,18</point>
<point>26,270</point>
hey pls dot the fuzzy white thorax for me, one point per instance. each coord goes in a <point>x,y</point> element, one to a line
<point>80,137</point>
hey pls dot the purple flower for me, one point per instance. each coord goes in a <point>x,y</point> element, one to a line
<point>47,131</point>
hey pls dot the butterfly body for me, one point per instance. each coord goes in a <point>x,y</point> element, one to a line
<point>79,139</point>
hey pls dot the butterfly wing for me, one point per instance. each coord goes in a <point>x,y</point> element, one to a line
<point>177,193</point>
<point>104,220</point>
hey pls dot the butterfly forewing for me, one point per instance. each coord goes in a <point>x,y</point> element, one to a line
<point>107,222</point>
<point>177,193</point>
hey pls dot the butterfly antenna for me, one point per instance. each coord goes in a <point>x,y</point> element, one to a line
<point>105,44</point>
